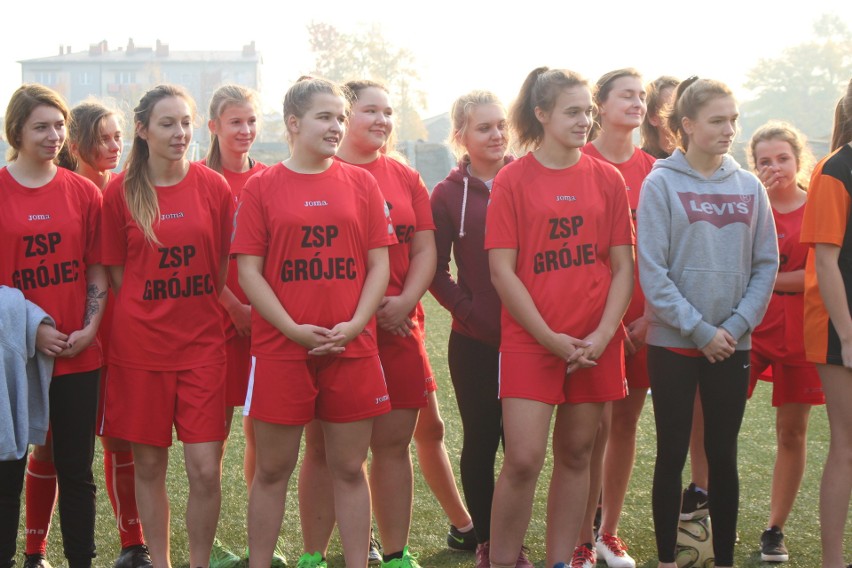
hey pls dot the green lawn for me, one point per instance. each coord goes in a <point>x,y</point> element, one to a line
<point>757,447</point>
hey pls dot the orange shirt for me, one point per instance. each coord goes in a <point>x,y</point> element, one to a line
<point>167,311</point>
<point>49,235</point>
<point>826,221</point>
<point>562,223</point>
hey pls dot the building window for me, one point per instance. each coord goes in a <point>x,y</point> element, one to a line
<point>126,77</point>
<point>47,78</point>
<point>84,78</point>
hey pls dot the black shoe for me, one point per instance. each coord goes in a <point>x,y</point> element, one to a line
<point>36,561</point>
<point>458,541</point>
<point>135,556</point>
<point>694,505</point>
<point>772,547</point>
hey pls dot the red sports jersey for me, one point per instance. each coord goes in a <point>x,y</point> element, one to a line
<point>780,336</point>
<point>164,312</point>
<point>236,181</point>
<point>408,201</point>
<point>634,171</point>
<point>48,236</point>
<point>562,223</point>
<point>314,231</point>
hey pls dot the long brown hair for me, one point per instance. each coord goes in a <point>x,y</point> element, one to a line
<point>139,191</point>
<point>85,133</point>
<point>650,134</point>
<point>842,132</point>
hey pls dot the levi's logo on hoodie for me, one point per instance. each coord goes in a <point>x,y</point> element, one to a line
<point>718,210</point>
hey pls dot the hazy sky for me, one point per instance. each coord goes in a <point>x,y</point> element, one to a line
<point>459,44</point>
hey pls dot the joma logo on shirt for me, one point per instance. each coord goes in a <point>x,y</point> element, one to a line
<point>38,218</point>
<point>718,210</point>
<point>566,198</point>
<point>316,203</point>
<point>166,216</point>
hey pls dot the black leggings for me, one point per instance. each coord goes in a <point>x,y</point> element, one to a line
<point>73,412</point>
<point>474,371</point>
<point>11,484</point>
<point>722,387</point>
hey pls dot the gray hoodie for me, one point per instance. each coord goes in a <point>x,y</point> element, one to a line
<point>708,253</point>
<point>24,392</point>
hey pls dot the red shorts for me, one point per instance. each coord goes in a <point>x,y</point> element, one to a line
<point>636,366</point>
<point>791,384</point>
<point>541,377</point>
<point>407,369</point>
<point>238,353</point>
<point>140,406</point>
<point>334,389</point>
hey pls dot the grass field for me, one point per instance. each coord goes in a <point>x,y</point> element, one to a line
<point>428,533</point>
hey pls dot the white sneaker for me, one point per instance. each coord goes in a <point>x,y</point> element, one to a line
<point>613,551</point>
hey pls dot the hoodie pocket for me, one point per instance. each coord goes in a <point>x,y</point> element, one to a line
<point>714,293</point>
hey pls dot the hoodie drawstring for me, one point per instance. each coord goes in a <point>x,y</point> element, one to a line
<point>464,207</point>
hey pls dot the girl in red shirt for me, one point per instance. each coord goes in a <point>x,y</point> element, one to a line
<point>233,128</point>
<point>167,224</point>
<point>49,235</point>
<point>558,227</point>
<point>780,157</point>
<point>620,100</point>
<point>311,243</point>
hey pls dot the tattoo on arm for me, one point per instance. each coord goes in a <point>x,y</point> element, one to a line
<point>94,295</point>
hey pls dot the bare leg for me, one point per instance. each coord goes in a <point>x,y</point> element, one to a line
<point>153,500</point>
<point>619,457</point>
<point>435,464</point>
<point>391,476</point>
<point>837,476</point>
<point>792,431</point>
<point>346,452</point>
<point>573,442</point>
<point>587,533</point>
<point>316,495</point>
<point>277,453</point>
<point>249,455</point>
<point>526,425</point>
<point>697,455</point>
<point>204,472</point>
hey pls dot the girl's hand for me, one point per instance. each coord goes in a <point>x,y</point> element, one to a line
<point>312,337</point>
<point>720,347</point>
<point>846,353</point>
<point>240,316</point>
<point>50,340</point>
<point>770,177</point>
<point>337,338</point>
<point>78,341</point>
<point>392,316</point>
<point>636,331</point>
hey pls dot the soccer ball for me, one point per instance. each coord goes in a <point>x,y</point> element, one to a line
<point>695,544</point>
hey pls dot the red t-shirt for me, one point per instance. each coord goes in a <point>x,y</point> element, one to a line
<point>167,311</point>
<point>781,333</point>
<point>236,180</point>
<point>49,235</point>
<point>562,223</point>
<point>408,201</point>
<point>634,171</point>
<point>314,231</point>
